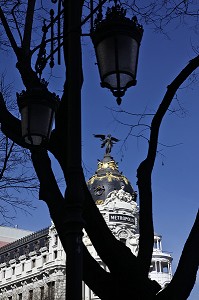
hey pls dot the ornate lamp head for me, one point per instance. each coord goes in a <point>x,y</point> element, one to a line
<point>116,40</point>
<point>37,107</point>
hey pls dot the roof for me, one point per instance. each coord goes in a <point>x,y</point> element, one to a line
<point>106,179</point>
<point>11,234</point>
<point>24,245</point>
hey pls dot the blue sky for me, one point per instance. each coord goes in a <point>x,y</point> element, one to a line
<point>175,176</point>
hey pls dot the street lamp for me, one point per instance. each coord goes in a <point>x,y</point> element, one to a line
<point>116,40</point>
<point>37,107</point>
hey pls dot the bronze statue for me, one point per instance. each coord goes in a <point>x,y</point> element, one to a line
<point>107,140</point>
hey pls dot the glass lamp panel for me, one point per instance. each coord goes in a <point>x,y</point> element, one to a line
<point>127,54</point>
<point>123,48</point>
<point>36,123</point>
<point>105,53</point>
<point>24,121</point>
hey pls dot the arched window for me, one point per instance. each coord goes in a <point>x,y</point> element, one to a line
<point>164,267</point>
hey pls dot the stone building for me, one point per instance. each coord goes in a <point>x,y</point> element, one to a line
<point>33,267</point>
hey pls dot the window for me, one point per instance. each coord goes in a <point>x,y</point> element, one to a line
<point>4,274</point>
<point>158,266</point>
<point>22,267</point>
<point>9,297</point>
<point>51,290</point>
<point>44,259</point>
<point>42,293</point>
<point>20,296</point>
<point>13,270</point>
<point>152,267</point>
<point>30,297</point>
<point>123,241</point>
<point>165,268</point>
<point>33,263</point>
<point>55,254</point>
<point>7,257</point>
<point>36,246</point>
<point>56,239</point>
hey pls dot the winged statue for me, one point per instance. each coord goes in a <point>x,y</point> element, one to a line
<point>107,141</point>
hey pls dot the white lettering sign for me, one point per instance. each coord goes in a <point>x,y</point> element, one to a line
<point>121,218</point>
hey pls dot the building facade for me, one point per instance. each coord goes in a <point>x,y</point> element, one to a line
<point>33,267</point>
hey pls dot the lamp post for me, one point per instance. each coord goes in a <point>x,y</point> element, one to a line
<point>116,40</point>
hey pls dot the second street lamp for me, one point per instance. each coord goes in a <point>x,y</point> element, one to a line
<point>37,107</point>
<point>116,41</point>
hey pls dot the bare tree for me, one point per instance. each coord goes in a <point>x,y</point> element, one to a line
<point>128,276</point>
<point>16,173</point>
<point>160,14</point>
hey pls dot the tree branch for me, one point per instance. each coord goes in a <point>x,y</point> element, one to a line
<point>185,276</point>
<point>93,274</point>
<point>29,77</point>
<point>157,119</point>
<point>28,26</point>
<point>8,153</point>
<point>15,20</point>
<point>48,192</point>
<point>8,32</point>
<point>96,277</point>
<point>144,171</point>
<point>10,125</point>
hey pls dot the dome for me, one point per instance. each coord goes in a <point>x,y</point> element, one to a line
<point>106,179</point>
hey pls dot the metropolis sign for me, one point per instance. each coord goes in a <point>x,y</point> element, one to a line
<point>121,218</point>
